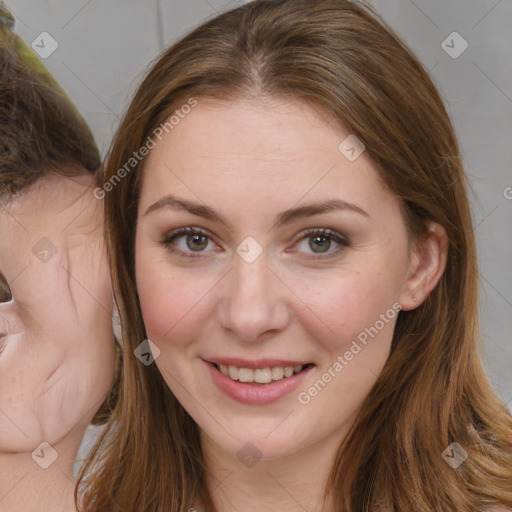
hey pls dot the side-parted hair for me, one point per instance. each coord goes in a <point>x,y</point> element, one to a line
<point>341,57</point>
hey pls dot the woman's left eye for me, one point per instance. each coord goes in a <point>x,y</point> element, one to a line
<point>321,241</point>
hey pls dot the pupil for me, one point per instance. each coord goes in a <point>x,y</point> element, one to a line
<point>319,242</point>
<point>199,241</point>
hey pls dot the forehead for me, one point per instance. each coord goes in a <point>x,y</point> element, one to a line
<point>248,131</point>
<point>257,150</point>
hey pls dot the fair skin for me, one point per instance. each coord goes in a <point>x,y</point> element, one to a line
<point>56,344</point>
<point>303,300</point>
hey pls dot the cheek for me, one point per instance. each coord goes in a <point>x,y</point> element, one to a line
<point>340,302</point>
<point>339,307</point>
<point>172,301</point>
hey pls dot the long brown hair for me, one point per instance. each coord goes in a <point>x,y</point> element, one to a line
<point>343,58</point>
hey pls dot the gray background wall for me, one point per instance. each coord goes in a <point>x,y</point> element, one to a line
<point>105,46</point>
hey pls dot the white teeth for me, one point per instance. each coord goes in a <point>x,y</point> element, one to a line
<point>288,371</point>
<point>233,372</point>
<point>259,375</point>
<point>277,373</point>
<point>245,374</point>
<point>263,376</point>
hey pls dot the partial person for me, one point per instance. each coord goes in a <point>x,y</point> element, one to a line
<point>57,354</point>
<point>294,262</point>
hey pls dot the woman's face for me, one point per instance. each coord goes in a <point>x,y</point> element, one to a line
<point>264,250</point>
<point>56,343</point>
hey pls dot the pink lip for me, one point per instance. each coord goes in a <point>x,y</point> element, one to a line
<point>254,363</point>
<point>255,394</point>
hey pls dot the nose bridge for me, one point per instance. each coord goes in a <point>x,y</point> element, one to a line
<point>253,303</point>
<point>250,278</point>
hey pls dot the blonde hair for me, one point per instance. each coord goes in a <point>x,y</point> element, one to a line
<point>340,56</point>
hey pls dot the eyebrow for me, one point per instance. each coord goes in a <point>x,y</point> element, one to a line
<point>286,217</point>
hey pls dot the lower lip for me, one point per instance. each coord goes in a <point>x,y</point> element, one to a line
<point>256,394</point>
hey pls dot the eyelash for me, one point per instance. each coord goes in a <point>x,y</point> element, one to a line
<point>167,242</point>
<point>335,237</point>
<point>310,233</point>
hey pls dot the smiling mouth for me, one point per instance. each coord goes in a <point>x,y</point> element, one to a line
<point>260,376</point>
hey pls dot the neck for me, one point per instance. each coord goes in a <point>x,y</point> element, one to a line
<point>289,484</point>
<point>25,485</point>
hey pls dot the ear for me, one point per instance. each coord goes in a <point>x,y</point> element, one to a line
<point>427,262</point>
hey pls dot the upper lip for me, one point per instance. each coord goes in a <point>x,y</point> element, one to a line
<point>254,363</point>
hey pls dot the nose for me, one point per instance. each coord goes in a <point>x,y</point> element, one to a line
<point>254,303</point>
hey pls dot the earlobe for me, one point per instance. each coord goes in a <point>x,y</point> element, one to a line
<point>427,263</point>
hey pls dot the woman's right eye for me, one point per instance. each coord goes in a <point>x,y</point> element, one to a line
<point>5,291</point>
<point>189,242</point>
